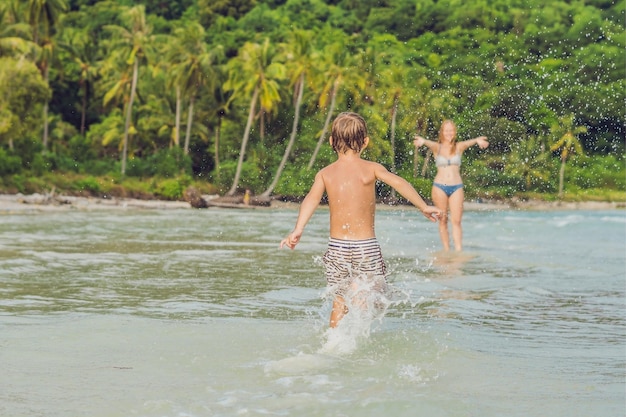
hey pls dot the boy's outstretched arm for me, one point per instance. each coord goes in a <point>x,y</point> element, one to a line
<point>407,191</point>
<point>307,208</point>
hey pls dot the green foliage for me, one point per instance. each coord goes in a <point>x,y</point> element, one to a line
<point>167,9</point>
<point>112,185</point>
<point>172,188</point>
<point>507,70</point>
<point>80,149</point>
<point>26,184</point>
<point>209,10</point>
<point>164,163</point>
<point>250,177</point>
<point>481,175</point>
<point>100,167</point>
<point>596,172</point>
<point>89,184</point>
<point>9,164</point>
<point>295,181</point>
<point>22,92</point>
<point>15,183</point>
<point>422,185</point>
<point>41,164</point>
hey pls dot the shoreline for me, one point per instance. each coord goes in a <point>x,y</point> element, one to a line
<point>18,203</point>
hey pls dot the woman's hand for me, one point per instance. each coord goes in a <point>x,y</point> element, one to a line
<point>418,141</point>
<point>482,142</point>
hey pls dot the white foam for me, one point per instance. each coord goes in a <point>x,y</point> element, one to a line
<point>300,364</point>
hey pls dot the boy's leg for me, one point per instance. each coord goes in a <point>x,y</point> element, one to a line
<point>339,310</point>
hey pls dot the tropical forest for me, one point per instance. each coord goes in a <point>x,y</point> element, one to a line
<point>149,98</point>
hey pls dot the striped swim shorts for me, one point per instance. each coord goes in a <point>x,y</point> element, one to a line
<point>347,260</point>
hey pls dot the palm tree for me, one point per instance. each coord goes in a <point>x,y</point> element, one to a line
<point>43,16</point>
<point>47,55</point>
<point>21,88</point>
<point>83,50</point>
<point>527,160</point>
<point>567,142</point>
<point>179,101</point>
<point>428,105</point>
<point>302,59</point>
<point>254,72</point>
<point>15,36</point>
<point>15,41</point>
<point>222,109</point>
<point>134,39</point>
<point>390,82</point>
<point>196,68</point>
<point>339,68</point>
<point>330,91</point>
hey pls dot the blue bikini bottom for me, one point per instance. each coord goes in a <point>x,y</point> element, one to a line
<point>448,189</point>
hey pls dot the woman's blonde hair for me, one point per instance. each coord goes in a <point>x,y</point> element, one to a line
<point>443,124</point>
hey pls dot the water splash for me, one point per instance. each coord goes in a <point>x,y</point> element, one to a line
<point>367,301</point>
<point>418,374</point>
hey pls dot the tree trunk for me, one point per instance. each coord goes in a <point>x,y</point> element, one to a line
<point>45,112</point>
<point>189,122</point>
<point>420,128</point>
<point>292,139</point>
<point>177,121</point>
<point>216,148</point>
<point>83,111</point>
<point>561,177</point>
<point>129,112</point>
<point>394,113</point>
<point>426,161</point>
<point>326,123</point>
<point>262,124</point>
<point>244,142</point>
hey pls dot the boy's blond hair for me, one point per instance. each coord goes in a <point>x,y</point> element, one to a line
<point>349,131</point>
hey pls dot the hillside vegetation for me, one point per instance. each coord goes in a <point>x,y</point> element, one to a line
<point>147,98</point>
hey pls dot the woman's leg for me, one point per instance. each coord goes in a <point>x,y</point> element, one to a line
<point>456,213</point>
<point>440,200</point>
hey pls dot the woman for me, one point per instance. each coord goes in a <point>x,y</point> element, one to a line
<point>447,193</point>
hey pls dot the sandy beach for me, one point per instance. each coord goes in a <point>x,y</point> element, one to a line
<point>19,203</point>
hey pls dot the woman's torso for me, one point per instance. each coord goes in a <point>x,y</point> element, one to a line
<point>448,163</point>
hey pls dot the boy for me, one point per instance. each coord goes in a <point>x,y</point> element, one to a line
<point>353,251</point>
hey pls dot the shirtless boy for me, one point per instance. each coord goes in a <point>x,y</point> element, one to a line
<point>349,184</point>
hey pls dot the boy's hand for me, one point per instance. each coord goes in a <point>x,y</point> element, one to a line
<point>291,240</point>
<point>432,213</point>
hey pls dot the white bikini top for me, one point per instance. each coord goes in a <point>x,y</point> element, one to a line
<point>442,161</point>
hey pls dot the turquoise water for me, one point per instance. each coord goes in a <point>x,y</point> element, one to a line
<point>198,313</point>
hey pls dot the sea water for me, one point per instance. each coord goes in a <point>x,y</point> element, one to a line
<point>198,313</point>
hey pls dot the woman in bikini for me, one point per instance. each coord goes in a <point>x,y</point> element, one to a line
<point>447,193</point>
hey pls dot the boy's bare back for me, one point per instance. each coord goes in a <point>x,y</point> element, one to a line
<point>350,187</point>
